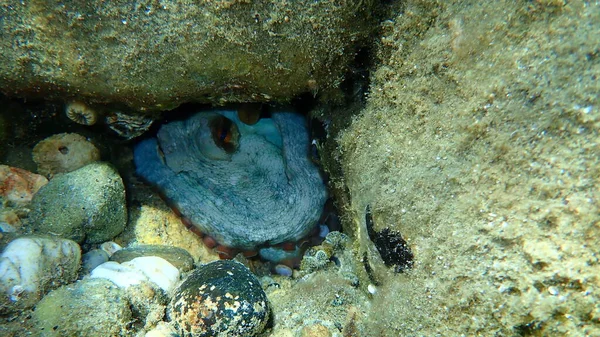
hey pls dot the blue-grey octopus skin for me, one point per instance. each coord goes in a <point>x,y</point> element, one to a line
<point>266,192</point>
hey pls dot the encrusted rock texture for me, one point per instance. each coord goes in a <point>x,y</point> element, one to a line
<point>156,55</point>
<point>86,205</point>
<point>479,143</point>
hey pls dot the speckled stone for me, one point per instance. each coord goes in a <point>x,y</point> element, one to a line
<point>178,257</point>
<point>222,298</point>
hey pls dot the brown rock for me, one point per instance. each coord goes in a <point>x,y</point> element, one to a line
<point>63,153</point>
<point>18,186</point>
<point>154,57</point>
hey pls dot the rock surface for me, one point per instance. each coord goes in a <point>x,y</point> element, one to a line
<point>86,205</point>
<point>479,145</point>
<point>30,266</point>
<point>89,308</point>
<point>156,56</point>
<point>222,298</point>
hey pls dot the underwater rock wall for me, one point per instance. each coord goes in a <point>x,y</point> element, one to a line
<point>479,144</point>
<point>156,55</point>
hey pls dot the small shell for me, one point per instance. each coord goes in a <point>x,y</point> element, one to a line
<point>283,270</point>
<point>110,247</point>
<point>127,126</point>
<point>80,113</point>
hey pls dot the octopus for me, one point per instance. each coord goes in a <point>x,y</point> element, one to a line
<point>242,187</point>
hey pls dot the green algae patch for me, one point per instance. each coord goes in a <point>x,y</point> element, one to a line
<point>479,144</point>
<point>155,56</point>
<point>91,308</point>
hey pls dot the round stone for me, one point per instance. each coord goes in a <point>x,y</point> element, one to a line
<point>87,205</point>
<point>222,298</point>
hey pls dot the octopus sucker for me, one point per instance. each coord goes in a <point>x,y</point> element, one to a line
<point>246,187</point>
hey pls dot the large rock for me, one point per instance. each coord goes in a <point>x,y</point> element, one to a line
<point>156,55</point>
<point>86,205</point>
<point>479,144</point>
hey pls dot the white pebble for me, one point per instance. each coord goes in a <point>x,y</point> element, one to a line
<point>25,262</point>
<point>122,276</point>
<point>110,247</point>
<point>158,270</point>
<point>151,269</point>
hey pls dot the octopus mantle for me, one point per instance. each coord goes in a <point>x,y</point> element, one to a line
<point>261,190</point>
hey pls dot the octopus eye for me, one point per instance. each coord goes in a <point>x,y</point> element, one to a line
<point>225,133</point>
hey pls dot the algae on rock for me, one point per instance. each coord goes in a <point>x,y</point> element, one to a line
<point>479,143</point>
<point>155,56</point>
<point>92,307</point>
<point>86,205</point>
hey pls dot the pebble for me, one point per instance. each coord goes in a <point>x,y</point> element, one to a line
<point>92,259</point>
<point>110,247</point>
<point>18,186</point>
<point>88,308</point>
<point>64,152</point>
<point>94,211</point>
<point>153,269</point>
<point>553,290</point>
<point>283,270</point>
<point>222,298</point>
<point>30,266</point>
